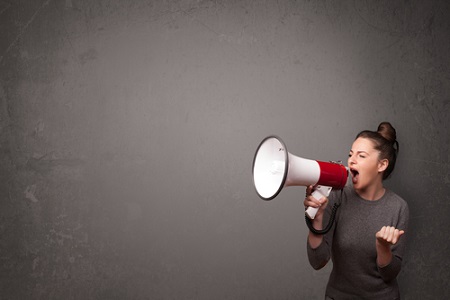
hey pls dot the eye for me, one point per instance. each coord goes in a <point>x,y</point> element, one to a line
<point>362,156</point>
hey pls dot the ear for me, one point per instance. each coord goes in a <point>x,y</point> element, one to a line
<point>382,165</point>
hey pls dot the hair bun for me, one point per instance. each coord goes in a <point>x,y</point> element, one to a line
<point>386,130</point>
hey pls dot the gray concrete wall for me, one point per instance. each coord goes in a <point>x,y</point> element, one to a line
<point>128,129</point>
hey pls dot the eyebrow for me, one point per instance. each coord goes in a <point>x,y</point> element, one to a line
<point>360,151</point>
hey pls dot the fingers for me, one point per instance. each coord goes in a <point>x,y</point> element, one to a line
<point>313,202</point>
<point>309,190</point>
<point>389,234</point>
<point>310,201</point>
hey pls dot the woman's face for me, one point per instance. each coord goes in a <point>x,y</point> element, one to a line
<point>365,166</point>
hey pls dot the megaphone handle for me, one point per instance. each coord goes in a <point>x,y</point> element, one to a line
<point>319,192</point>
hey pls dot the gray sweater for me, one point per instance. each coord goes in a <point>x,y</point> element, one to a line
<point>351,246</point>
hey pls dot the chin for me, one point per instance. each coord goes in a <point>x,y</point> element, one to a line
<point>358,187</point>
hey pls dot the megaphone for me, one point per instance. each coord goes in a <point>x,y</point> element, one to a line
<point>275,168</point>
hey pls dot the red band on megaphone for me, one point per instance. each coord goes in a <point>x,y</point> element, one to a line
<point>332,174</point>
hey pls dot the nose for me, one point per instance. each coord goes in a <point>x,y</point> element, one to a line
<point>351,160</point>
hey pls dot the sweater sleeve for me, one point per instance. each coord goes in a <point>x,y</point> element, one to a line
<point>319,257</point>
<point>390,271</point>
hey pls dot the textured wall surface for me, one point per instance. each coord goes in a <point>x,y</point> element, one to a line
<point>128,129</point>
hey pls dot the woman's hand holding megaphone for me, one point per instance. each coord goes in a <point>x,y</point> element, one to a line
<point>315,200</point>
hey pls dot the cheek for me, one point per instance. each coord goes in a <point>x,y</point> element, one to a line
<point>373,167</point>
<point>368,167</point>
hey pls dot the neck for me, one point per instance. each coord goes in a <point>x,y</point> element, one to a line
<point>372,193</point>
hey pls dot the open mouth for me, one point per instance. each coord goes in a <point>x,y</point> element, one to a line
<point>355,175</point>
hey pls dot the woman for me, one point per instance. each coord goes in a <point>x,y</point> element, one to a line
<point>366,242</point>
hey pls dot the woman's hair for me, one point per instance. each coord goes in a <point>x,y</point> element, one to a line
<point>385,141</point>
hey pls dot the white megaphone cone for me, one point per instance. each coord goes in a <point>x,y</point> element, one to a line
<point>275,168</point>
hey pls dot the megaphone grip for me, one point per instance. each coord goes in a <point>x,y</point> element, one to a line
<point>311,212</point>
<point>319,192</point>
